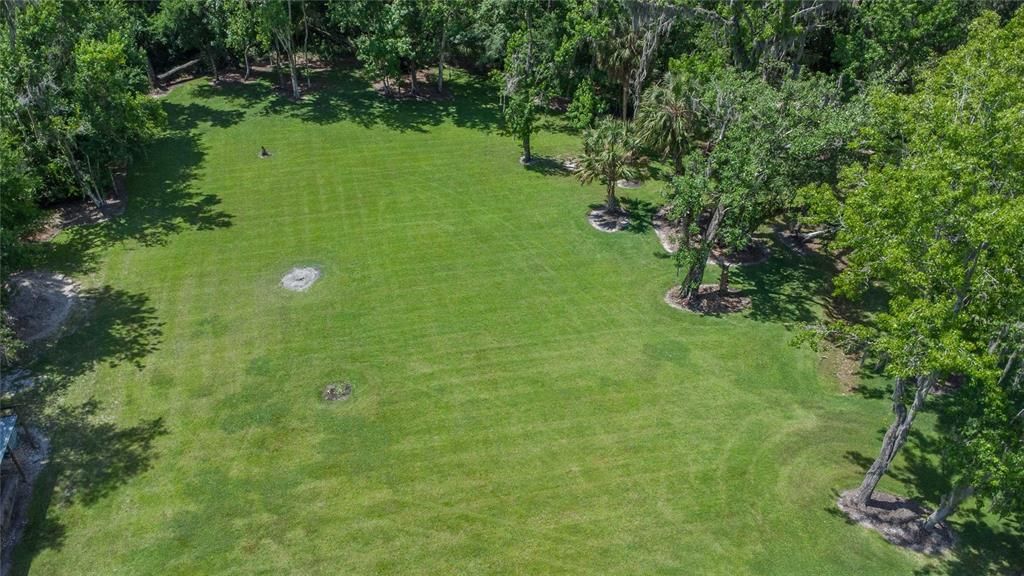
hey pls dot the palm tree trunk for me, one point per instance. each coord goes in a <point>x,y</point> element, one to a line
<point>611,203</point>
<point>625,99</point>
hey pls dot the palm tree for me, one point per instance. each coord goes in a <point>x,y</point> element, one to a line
<point>617,57</point>
<point>665,121</point>
<point>609,154</point>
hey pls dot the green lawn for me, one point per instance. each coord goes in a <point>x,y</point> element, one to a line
<point>524,402</point>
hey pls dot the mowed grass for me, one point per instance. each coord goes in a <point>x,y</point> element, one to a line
<point>524,401</point>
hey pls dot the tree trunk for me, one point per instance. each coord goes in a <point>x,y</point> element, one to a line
<point>691,281</point>
<point>611,203</point>
<point>154,82</point>
<point>723,280</point>
<point>305,43</point>
<point>213,66</point>
<point>440,60</point>
<point>896,436</point>
<point>625,99</point>
<point>947,506</point>
<point>296,91</point>
<point>412,77</point>
<point>527,157</point>
<point>248,67</point>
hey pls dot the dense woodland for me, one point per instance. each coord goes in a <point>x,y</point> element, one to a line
<point>888,131</point>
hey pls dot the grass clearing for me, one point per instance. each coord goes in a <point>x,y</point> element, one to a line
<point>523,400</point>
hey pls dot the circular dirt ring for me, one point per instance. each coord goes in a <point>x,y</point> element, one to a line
<point>708,301</point>
<point>629,184</point>
<point>40,303</point>
<point>300,279</point>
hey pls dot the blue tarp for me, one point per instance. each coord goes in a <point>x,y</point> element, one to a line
<point>8,434</point>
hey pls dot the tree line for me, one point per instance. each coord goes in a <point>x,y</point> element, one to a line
<point>888,130</point>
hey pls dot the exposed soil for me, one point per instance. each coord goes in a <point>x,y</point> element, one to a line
<point>629,184</point>
<point>709,301</point>
<point>426,88</point>
<point>40,303</point>
<point>898,520</point>
<point>300,279</point>
<point>755,253</point>
<point>844,367</point>
<point>668,232</point>
<point>32,453</point>
<point>75,213</point>
<point>570,164</point>
<point>608,222</point>
<point>337,392</point>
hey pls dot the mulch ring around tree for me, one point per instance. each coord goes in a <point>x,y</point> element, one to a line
<point>898,520</point>
<point>709,300</point>
<point>755,253</point>
<point>668,232</point>
<point>606,221</point>
<point>337,392</point>
<point>40,303</point>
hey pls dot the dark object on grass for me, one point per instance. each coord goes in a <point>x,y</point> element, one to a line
<point>264,153</point>
<point>337,392</point>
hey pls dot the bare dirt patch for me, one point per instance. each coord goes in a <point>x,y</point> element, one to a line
<point>709,300</point>
<point>629,184</point>
<point>338,392</point>
<point>74,213</point>
<point>898,520</point>
<point>401,89</point>
<point>300,279</point>
<point>570,164</point>
<point>755,253</point>
<point>40,302</point>
<point>606,221</point>
<point>668,231</point>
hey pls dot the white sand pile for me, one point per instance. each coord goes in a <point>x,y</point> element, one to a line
<point>300,279</point>
<point>40,303</point>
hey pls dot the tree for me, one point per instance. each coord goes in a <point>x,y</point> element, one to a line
<point>981,446</point>
<point>190,26</point>
<point>243,31</point>
<point>935,217</point>
<point>753,146</point>
<point>609,155</point>
<point>665,120</point>
<point>278,23</point>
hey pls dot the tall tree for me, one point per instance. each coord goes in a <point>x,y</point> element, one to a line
<point>754,145</point>
<point>935,218</point>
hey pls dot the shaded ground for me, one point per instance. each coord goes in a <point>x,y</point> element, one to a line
<point>709,300</point>
<point>899,521</point>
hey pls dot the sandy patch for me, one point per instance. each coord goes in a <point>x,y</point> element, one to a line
<point>40,303</point>
<point>300,279</point>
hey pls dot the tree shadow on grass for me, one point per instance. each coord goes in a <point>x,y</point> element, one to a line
<point>984,545</point>
<point>90,458</point>
<point>162,200</point>
<point>547,166</point>
<point>786,288</point>
<point>345,95</point>
<point>641,214</point>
